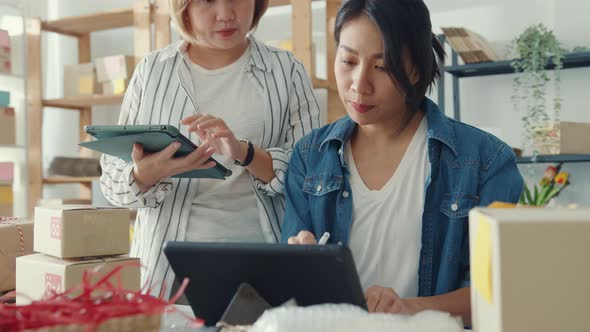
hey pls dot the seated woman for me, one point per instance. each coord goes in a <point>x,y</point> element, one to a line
<point>396,178</point>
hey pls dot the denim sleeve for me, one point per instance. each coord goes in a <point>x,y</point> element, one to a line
<point>297,215</point>
<point>501,182</point>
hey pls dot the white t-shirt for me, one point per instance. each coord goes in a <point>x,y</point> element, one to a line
<point>386,232</point>
<point>226,210</point>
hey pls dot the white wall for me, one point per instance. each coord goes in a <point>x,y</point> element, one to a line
<point>485,102</point>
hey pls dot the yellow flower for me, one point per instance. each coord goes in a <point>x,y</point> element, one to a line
<point>561,178</point>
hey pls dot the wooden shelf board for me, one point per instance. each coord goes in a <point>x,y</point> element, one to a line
<point>80,25</point>
<point>69,179</point>
<point>80,102</point>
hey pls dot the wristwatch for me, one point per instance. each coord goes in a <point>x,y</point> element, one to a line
<point>249,155</point>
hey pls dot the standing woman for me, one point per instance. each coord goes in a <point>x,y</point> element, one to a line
<point>242,102</point>
<point>395,179</point>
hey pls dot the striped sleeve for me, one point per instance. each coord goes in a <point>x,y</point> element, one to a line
<point>303,114</point>
<point>116,182</point>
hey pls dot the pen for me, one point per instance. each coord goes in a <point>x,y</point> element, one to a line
<point>324,239</point>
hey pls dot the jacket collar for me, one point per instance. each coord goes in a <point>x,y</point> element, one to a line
<point>439,128</point>
<point>259,53</point>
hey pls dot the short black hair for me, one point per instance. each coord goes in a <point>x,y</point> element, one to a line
<point>403,24</point>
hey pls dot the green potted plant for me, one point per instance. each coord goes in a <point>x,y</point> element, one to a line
<point>533,49</point>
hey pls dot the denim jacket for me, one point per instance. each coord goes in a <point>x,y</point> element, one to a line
<point>469,168</point>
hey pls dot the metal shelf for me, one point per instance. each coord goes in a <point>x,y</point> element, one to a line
<point>557,158</point>
<point>571,60</point>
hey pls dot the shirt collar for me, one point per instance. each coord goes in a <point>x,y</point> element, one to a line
<point>259,53</point>
<point>439,128</point>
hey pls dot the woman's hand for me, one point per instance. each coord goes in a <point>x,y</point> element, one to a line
<point>214,131</point>
<point>304,237</point>
<point>149,168</point>
<point>383,299</point>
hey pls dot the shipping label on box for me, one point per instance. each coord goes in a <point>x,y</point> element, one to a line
<point>69,231</point>
<point>80,80</point>
<point>116,67</point>
<point>39,275</point>
<point>16,239</point>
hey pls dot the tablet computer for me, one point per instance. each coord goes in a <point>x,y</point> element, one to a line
<point>118,140</point>
<point>311,274</point>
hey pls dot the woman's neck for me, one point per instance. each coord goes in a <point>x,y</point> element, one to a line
<point>215,58</point>
<point>399,127</point>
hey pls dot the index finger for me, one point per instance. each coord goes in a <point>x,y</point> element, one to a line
<point>190,118</point>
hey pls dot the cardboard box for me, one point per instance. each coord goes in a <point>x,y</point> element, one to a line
<point>37,275</point>
<point>7,126</point>
<point>64,201</point>
<point>116,87</point>
<point>11,247</point>
<point>69,231</point>
<point>80,80</point>
<point>529,269</point>
<point>574,138</point>
<point>4,98</point>
<point>115,67</point>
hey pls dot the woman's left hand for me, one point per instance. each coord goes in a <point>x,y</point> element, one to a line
<point>383,299</point>
<point>214,130</point>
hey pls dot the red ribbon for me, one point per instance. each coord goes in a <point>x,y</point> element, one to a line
<point>88,310</point>
<point>10,221</point>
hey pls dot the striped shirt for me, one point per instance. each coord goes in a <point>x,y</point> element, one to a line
<point>161,92</point>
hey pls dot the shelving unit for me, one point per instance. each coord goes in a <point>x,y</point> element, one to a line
<point>12,18</point>
<point>140,18</point>
<point>301,14</point>
<point>571,60</point>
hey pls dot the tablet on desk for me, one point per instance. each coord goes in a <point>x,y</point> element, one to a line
<point>118,141</point>
<point>311,274</point>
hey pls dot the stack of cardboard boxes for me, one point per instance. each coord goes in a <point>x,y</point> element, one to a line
<point>71,239</point>
<point>114,73</point>
<point>16,239</point>
<point>5,52</point>
<point>109,76</point>
<point>80,80</point>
